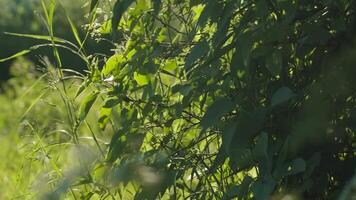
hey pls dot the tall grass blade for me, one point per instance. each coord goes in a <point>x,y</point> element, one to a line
<point>21,53</point>
<point>38,37</point>
<point>75,32</point>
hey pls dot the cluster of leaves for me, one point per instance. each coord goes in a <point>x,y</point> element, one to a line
<point>218,99</point>
<point>253,96</point>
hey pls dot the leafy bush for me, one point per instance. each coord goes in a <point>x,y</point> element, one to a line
<point>207,99</point>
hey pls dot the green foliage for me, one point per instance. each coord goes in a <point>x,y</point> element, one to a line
<point>26,17</point>
<point>206,99</point>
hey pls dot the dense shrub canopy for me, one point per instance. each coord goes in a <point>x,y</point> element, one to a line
<point>216,99</point>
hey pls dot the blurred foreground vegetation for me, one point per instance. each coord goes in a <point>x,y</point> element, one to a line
<point>26,17</point>
<point>187,99</point>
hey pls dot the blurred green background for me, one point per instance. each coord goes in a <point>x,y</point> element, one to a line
<point>26,17</point>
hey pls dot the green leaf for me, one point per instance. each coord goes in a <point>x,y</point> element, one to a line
<point>106,110</point>
<point>294,167</point>
<point>218,161</point>
<point>21,53</point>
<point>282,95</point>
<point>141,79</point>
<point>211,11</point>
<point>228,134</point>
<point>105,27</point>
<point>119,9</point>
<point>248,124</point>
<point>104,117</point>
<point>261,145</point>
<point>86,104</point>
<point>204,14</point>
<point>312,164</point>
<point>82,87</point>
<point>199,50</point>
<point>263,188</point>
<point>148,68</point>
<point>261,154</point>
<point>316,34</point>
<point>182,89</point>
<point>111,102</point>
<point>283,153</point>
<point>112,63</point>
<point>274,63</point>
<point>217,110</point>
<point>240,191</point>
<point>170,65</point>
<point>244,49</point>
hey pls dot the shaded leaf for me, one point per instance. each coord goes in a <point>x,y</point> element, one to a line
<point>111,102</point>
<point>240,191</point>
<point>263,188</point>
<point>217,110</point>
<point>228,134</point>
<point>282,95</point>
<point>82,87</point>
<point>312,163</point>
<point>294,167</point>
<point>248,124</point>
<point>119,9</point>
<point>211,11</point>
<point>274,63</point>
<point>219,160</point>
<point>283,153</point>
<point>104,117</point>
<point>199,50</point>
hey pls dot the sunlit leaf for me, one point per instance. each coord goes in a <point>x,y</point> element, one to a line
<point>86,105</point>
<point>113,63</point>
<point>141,79</point>
<point>104,117</point>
